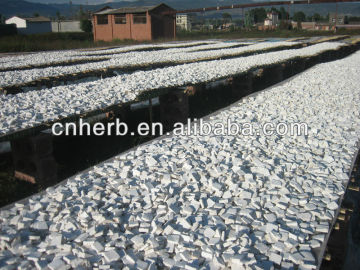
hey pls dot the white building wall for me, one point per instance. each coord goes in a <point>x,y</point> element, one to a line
<point>183,21</point>
<point>267,22</point>
<point>20,23</point>
<point>66,26</point>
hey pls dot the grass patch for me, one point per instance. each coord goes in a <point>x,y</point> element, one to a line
<point>63,41</point>
<point>54,41</point>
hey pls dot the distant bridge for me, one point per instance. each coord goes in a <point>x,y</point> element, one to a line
<point>260,4</point>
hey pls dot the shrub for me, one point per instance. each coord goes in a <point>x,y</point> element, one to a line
<point>7,29</point>
<point>86,25</point>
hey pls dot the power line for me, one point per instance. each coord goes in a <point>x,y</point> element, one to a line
<point>259,4</point>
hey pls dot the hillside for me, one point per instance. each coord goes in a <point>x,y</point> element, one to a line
<point>21,7</point>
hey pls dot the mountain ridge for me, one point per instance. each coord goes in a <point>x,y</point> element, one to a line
<point>10,8</point>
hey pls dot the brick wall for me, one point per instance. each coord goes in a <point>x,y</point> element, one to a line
<point>122,31</point>
<point>141,31</point>
<point>157,26</point>
<point>102,31</point>
<point>110,31</point>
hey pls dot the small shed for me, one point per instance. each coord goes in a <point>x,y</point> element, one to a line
<point>33,25</point>
<point>305,25</point>
<point>272,19</point>
<point>138,23</point>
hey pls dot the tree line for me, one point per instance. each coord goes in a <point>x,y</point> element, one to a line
<point>260,14</point>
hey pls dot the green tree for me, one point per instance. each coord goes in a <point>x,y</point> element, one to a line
<point>354,19</point>
<point>259,14</point>
<point>249,19</point>
<point>226,17</point>
<point>59,17</point>
<point>86,25</point>
<point>239,22</point>
<point>283,14</point>
<point>286,25</point>
<point>299,16</point>
<point>81,13</point>
<point>36,14</point>
<point>317,17</point>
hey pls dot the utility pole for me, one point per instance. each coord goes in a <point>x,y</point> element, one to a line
<point>88,10</point>
<point>70,4</point>
<point>243,17</point>
<point>336,14</point>
<point>288,13</point>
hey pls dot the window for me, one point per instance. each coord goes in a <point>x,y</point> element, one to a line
<point>102,19</point>
<point>140,18</point>
<point>120,19</point>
